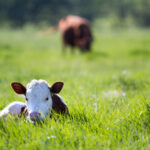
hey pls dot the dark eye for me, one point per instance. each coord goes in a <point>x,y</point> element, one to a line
<point>46,98</point>
<point>26,99</point>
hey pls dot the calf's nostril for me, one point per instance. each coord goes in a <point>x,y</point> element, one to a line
<point>34,115</point>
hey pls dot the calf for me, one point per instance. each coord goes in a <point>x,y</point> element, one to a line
<point>41,99</point>
<point>76,32</point>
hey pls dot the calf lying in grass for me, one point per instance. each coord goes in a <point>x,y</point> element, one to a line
<point>41,99</point>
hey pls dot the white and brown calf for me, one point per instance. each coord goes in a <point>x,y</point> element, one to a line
<point>41,99</point>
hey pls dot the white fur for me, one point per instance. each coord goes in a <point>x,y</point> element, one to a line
<point>13,109</point>
<point>37,92</point>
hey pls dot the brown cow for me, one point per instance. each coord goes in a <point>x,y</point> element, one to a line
<point>76,32</point>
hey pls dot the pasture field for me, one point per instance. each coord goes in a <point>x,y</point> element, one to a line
<point>107,90</point>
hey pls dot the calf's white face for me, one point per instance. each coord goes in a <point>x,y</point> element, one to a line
<point>38,95</point>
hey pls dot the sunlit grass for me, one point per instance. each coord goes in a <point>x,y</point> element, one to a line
<point>107,90</point>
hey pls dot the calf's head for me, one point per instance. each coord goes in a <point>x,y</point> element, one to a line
<point>38,95</point>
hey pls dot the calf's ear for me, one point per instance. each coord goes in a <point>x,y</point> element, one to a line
<point>56,87</point>
<point>18,88</point>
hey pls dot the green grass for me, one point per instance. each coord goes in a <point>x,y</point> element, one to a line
<point>107,90</point>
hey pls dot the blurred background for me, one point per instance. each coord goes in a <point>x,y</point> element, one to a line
<point>113,13</point>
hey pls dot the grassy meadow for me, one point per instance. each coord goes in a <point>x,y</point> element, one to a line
<point>107,90</point>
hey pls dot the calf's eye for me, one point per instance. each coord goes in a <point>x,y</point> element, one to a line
<point>46,99</point>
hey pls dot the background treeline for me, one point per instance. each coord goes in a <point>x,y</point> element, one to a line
<point>20,12</point>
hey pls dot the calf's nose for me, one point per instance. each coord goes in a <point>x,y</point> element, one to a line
<point>35,116</point>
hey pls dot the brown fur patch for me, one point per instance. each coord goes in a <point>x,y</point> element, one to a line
<point>58,106</point>
<point>24,111</point>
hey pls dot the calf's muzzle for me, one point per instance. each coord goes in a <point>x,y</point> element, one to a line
<point>35,116</point>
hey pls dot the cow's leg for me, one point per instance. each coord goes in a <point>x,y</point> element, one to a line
<point>72,49</point>
<point>64,47</point>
